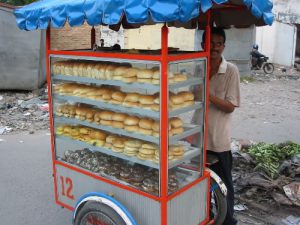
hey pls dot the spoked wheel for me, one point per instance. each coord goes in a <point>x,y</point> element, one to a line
<point>95,213</point>
<point>268,68</point>
<point>218,204</point>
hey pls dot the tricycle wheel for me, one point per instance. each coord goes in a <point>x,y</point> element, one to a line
<point>96,213</point>
<point>218,203</point>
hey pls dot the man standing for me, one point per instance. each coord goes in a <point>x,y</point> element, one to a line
<point>224,97</point>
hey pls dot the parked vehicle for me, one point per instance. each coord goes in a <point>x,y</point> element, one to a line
<point>262,63</point>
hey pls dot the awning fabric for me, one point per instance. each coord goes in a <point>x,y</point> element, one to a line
<point>39,14</point>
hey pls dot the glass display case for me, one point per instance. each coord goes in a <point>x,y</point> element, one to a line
<point>106,119</point>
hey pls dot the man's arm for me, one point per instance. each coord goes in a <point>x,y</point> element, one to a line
<point>221,104</point>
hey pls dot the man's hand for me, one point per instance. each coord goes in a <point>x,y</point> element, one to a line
<point>221,104</point>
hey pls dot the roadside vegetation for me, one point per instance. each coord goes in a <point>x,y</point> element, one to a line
<point>17,2</point>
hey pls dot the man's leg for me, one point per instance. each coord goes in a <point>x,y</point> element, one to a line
<point>223,169</point>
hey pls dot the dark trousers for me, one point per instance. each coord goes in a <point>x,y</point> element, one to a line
<point>223,169</point>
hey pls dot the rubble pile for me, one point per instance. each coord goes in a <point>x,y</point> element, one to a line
<point>23,111</point>
<point>268,173</point>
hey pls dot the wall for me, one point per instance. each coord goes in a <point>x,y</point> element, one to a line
<point>22,54</point>
<point>278,42</point>
<point>238,46</point>
<point>69,38</point>
<point>149,37</point>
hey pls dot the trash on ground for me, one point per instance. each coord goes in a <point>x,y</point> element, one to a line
<point>292,191</point>
<point>240,207</point>
<point>291,220</point>
<point>4,130</point>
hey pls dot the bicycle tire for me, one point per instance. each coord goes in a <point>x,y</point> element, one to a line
<point>93,211</point>
<point>220,203</point>
<point>268,68</point>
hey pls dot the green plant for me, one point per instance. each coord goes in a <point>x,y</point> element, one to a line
<point>17,2</point>
<point>270,156</point>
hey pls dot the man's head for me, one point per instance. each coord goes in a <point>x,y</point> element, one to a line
<point>255,46</point>
<point>217,42</point>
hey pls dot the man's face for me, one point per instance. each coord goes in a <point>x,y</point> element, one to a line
<point>216,46</point>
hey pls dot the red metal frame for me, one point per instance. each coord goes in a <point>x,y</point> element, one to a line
<point>164,59</point>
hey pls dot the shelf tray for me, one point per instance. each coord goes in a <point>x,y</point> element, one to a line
<point>140,86</point>
<point>188,130</point>
<point>129,110</point>
<point>192,152</point>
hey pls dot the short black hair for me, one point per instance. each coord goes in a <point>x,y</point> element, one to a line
<point>217,31</point>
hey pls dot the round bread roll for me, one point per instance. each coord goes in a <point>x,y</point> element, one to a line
<point>157,100</point>
<point>133,143</point>
<point>155,126</point>
<point>180,77</point>
<point>100,135</point>
<point>176,122</point>
<point>119,117</point>
<point>146,123</point>
<point>120,71</point>
<point>106,115</point>
<point>118,143</point>
<point>147,151</point>
<point>75,132</point>
<point>145,131</point>
<point>155,81</point>
<point>156,74</point>
<point>118,124</point>
<point>109,71</point>
<point>129,79</point>
<point>187,95</point>
<point>110,139</point>
<point>133,128</point>
<point>144,74</point>
<point>131,72</point>
<point>177,99</point>
<point>116,102</point>
<point>117,78</point>
<point>131,104</point>
<point>130,149</point>
<point>144,80</point>
<point>106,122</point>
<point>170,74</point>
<point>171,80</point>
<point>108,145</point>
<point>132,97</point>
<point>106,95</point>
<point>149,146</point>
<point>131,121</point>
<point>117,149</point>
<point>99,143</point>
<point>178,130</point>
<point>84,130</point>
<point>155,134</point>
<point>146,99</point>
<point>155,107</point>
<point>119,96</point>
<point>188,103</point>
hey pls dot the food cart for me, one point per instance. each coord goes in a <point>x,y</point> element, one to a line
<point>124,148</point>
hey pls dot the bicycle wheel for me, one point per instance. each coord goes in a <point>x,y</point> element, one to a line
<point>218,204</point>
<point>95,213</point>
<point>268,68</point>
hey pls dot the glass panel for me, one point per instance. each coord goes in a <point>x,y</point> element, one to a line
<point>106,118</point>
<point>186,119</point>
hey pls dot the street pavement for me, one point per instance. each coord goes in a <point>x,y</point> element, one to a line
<point>26,183</point>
